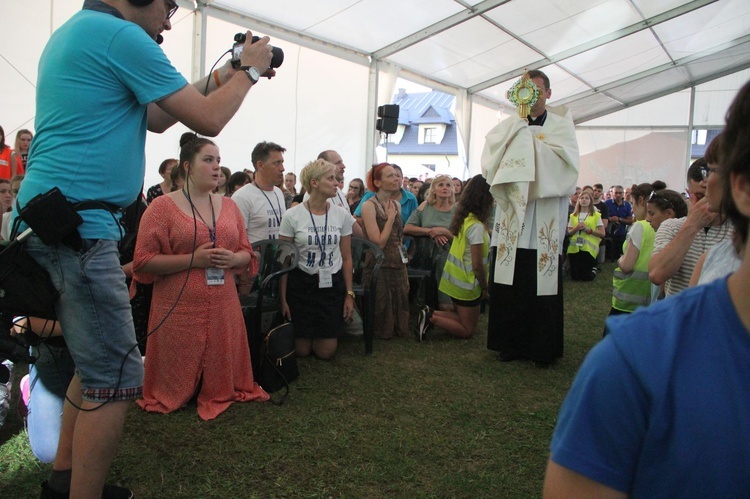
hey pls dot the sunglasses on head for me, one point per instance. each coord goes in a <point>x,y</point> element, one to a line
<point>655,197</point>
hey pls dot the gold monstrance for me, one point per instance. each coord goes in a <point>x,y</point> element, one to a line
<point>524,93</point>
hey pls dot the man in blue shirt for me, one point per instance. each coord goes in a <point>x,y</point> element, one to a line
<point>103,81</point>
<point>620,217</point>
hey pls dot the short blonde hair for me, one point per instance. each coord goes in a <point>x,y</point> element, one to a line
<point>431,197</point>
<point>313,171</point>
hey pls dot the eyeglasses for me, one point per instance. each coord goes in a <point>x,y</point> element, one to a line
<point>655,197</point>
<point>172,9</point>
<point>706,172</point>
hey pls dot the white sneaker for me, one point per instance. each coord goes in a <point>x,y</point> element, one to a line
<point>4,404</point>
<point>424,323</point>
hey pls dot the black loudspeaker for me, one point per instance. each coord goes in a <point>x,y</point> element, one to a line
<point>141,3</point>
<point>388,111</point>
<point>387,118</point>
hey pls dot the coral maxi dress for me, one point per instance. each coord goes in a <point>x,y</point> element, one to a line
<point>203,342</point>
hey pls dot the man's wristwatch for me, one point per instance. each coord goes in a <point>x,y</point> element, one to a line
<point>352,294</point>
<point>251,73</point>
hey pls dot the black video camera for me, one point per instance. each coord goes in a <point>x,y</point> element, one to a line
<point>239,44</point>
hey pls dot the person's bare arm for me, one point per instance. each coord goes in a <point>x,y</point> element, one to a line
<point>666,262</point>
<point>563,483</point>
<point>371,224</point>
<point>208,114</point>
<point>285,313</point>
<point>477,265</point>
<point>628,259</point>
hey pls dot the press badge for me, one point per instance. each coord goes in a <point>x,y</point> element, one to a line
<point>325,278</point>
<point>404,255</point>
<point>214,277</point>
<point>579,241</point>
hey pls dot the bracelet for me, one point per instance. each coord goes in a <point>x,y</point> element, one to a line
<point>216,78</point>
<point>352,294</point>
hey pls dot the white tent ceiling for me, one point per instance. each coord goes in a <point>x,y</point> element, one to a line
<point>602,55</point>
<point>617,64</point>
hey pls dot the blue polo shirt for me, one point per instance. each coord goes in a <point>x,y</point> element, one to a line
<point>623,210</point>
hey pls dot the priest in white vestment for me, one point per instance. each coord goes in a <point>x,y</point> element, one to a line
<point>532,167</point>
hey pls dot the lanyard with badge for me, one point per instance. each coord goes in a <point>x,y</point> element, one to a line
<point>277,216</point>
<point>579,238</point>
<point>214,276</point>
<point>325,278</point>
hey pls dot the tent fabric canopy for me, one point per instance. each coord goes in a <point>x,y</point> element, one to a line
<point>602,55</point>
<point>625,68</point>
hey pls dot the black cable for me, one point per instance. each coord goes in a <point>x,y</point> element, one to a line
<point>179,296</point>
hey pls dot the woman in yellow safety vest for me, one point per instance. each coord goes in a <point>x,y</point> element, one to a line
<point>465,273</point>
<point>631,287</point>
<point>585,229</point>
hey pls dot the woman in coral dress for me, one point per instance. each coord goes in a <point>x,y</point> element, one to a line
<point>190,243</point>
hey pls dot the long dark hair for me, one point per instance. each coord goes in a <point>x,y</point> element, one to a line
<point>735,158</point>
<point>476,199</point>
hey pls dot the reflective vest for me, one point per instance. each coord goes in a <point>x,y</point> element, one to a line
<point>634,290</point>
<point>458,279</point>
<point>5,159</point>
<point>590,241</point>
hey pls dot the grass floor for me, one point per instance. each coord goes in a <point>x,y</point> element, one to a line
<point>437,419</point>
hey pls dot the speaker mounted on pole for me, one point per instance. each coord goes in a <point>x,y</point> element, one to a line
<point>387,118</point>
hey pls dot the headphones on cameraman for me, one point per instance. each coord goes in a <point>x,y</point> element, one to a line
<point>141,3</point>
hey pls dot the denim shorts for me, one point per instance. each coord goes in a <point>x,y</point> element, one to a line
<point>95,316</point>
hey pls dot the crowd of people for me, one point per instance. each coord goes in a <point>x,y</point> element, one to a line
<point>507,232</point>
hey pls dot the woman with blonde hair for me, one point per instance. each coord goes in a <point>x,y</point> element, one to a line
<point>585,229</point>
<point>433,217</point>
<point>317,296</point>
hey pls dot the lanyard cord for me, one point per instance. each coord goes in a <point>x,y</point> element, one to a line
<point>277,216</point>
<point>211,231</point>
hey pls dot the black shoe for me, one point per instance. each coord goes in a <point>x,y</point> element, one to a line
<point>110,492</point>
<point>508,356</point>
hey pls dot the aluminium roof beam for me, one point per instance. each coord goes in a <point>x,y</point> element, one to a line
<point>438,27</point>
<point>597,42</point>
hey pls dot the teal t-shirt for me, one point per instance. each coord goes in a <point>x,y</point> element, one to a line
<point>97,75</point>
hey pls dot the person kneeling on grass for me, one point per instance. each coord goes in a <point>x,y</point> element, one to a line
<point>465,274</point>
<point>585,229</point>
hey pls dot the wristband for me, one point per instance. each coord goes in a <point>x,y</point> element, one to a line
<point>216,78</point>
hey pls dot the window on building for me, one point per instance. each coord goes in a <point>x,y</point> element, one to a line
<point>699,137</point>
<point>429,167</point>
<point>430,134</point>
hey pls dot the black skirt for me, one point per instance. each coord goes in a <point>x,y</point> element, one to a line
<point>317,313</point>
